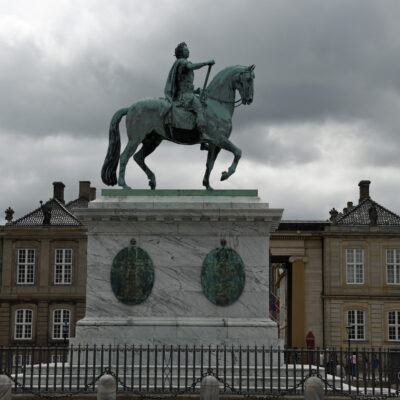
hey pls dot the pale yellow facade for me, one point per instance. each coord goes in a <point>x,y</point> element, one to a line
<point>375,297</point>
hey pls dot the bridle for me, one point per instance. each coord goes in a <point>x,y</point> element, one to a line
<point>236,103</point>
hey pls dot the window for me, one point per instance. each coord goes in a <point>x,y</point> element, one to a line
<point>22,360</point>
<point>355,266</point>
<point>61,323</point>
<point>63,267</point>
<point>58,358</point>
<point>394,325</point>
<point>356,319</point>
<point>23,324</point>
<point>393,266</point>
<point>26,266</point>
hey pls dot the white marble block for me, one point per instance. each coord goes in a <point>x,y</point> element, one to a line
<point>178,229</point>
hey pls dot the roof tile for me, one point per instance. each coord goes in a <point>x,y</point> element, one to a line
<point>359,215</point>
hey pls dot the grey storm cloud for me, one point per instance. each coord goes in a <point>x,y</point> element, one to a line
<point>315,60</point>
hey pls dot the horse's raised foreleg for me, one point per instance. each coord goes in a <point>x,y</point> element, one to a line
<point>149,145</point>
<point>123,160</point>
<point>211,157</point>
<point>226,144</point>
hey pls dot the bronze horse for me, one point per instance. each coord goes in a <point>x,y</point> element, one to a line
<point>146,125</point>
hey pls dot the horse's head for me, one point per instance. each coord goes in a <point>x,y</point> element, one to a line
<point>245,84</point>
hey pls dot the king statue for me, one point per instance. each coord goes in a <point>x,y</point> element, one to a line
<point>179,87</point>
<point>184,116</point>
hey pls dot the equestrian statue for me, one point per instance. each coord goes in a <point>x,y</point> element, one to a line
<point>184,116</point>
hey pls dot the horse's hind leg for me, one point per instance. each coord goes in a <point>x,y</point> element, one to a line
<point>124,158</point>
<point>213,152</point>
<point>149,145</point>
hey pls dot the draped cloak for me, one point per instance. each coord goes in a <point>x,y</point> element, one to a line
<point>170,90</point>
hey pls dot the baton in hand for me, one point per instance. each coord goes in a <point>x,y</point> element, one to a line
<point>203,93</point>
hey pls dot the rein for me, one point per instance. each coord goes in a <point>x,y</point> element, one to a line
<point>237,103</point>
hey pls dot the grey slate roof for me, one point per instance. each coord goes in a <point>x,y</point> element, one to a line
<point>60,216</point>
<point>80,202</point>
<point>359,215</point>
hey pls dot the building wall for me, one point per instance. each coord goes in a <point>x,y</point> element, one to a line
<point>304,251</point>
<point>375,297</point>
<point>44,295</point>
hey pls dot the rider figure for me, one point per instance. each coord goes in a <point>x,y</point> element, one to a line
<point>179,87</point>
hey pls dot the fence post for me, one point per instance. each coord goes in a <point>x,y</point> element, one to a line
<point>5,387</point>
<point>107,388</point>
<point>209,389</point>
<point>313,389</point>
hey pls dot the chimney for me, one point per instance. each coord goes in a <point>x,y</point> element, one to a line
<point>58,191</point>
<point>92,193</point>
<point>84,189</point>
<point>349,205</point>
<point>364,190</point>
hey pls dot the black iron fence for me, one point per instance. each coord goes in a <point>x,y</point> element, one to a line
<point>179,369</point>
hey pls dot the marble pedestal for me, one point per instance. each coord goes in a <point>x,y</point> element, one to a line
<point>178,229</point>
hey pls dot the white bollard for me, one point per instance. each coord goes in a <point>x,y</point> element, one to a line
<point>106,388</point>
<point>5,387</point>
<point>209,389</point>
<point>313,389</point>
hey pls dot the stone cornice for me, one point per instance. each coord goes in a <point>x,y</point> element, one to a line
<point>296,258</point>
<point>273,216</point>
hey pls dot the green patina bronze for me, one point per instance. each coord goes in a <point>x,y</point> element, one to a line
<point>132,275</point>
<point>178,192</point>
<point>184,116</point>
<point>223,276</point>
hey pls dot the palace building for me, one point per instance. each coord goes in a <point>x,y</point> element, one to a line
<point>43,271</point>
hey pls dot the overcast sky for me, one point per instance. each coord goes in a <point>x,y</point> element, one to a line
<point>326,112</point>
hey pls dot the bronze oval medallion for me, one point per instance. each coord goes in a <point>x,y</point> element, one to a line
<point>223,276</point>
<point>132,275</point>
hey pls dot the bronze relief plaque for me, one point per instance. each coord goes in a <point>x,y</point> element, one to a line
<point>132,275</point>
<point>223,276</point>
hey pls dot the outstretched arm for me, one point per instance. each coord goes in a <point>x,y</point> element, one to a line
<point>194,66</point>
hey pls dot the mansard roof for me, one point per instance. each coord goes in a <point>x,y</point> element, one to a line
<point>359,215</point>
<point>60,216</point>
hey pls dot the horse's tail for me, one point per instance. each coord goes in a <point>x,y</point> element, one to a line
<point>109,170</point>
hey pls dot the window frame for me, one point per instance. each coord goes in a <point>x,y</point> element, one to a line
<point>354,265</point>
<point>23,324</point>
<point>355,325</point>
<point>23,360</point>
<point>396,325</point>
<point>61,323</point>
<point>63,265</point>
<point>395,250</point>
<point>25,265</point>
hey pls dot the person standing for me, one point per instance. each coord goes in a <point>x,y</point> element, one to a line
<point>354,364</point>
<point>376,366</point>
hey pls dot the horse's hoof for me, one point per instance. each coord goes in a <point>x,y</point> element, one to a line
<point>152,185</point>
<point>124,186</point>
<point>224,176</point>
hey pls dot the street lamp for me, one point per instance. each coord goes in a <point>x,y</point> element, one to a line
<point>349,328</point>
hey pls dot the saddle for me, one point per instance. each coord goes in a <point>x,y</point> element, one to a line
<point>180,118</point>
